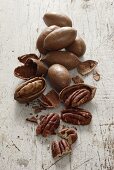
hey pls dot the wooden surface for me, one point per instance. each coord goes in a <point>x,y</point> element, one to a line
<point>20,23</point>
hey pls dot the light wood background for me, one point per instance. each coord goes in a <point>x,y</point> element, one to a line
<point>20,23</point>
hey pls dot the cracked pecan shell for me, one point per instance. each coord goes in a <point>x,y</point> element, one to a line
<point>48,125</point>
<point>69,134</point>
<point>76,116</point>
<point>60,148</point>
<point>75,95</point>
<point>30,90</point>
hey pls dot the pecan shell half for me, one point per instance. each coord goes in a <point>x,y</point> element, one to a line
<point>25,57</point>
<point>76,116</point>
<point>60,148</point>
<point>48,125</point>
<point>75,95</point>
<point>69,134</point>
<point>31,68</point>
<point>30,90</point>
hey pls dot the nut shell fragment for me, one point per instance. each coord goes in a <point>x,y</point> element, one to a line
<point>60,148</point>
<point>25,57</point>
<point>86,67</point>
<point>57,19</point>
<point>32,68</point>
<point>76,116</point>
<point>76,95</point>
<point>69,134</point>
<point>30,90</point>
<point>48,125</point>
<point>77,79</point>
<point>51,99</point>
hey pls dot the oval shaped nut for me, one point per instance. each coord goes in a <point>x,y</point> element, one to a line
<point>42,36</point>
<point>60,38</point>
<point>59,76</point>
<point>65,58</point>
<point>76,116</point>
<point>78,47</point>
<point>76,95</point>
<point>30,90</point>
<point>57,19</point>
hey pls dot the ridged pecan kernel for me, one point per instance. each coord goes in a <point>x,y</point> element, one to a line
<point>48,125</point>
<point>76,116</point>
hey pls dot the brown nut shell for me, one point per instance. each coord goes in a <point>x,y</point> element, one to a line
<point>78,47</point>
<point>60,38</point>
<point>25,57</point>
<point>32,68</point>
<point>86,67</point>
<point>76,116</point>
<point>30,90</point>
<point>57,19</point>
<point>76,95</point>
<point>42,36</point>
<point>51,99</point>
<point>59,76</point>
<point>25,72</point>
<point>41,68</point>
<point>65,58</point>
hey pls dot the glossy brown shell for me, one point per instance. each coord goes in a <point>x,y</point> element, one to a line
<point>60,38</point>
<point>59,76</point>
<point>66,92</point>
<point>31,97</point>
<point>78,47</point>
<point>25,57</point>
<point>42,36</point>
<point>65,58</point>
<point>57,19</point>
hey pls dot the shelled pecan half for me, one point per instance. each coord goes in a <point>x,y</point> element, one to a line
<point>75,95</point>
<point>69,134</point>
<point>48,125</point>
<point>60,148</point>
<point>76,116</point>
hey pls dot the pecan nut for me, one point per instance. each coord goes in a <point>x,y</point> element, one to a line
<point>76,116</point>
<point>30,90</point>
<point>48,125</point>
<point>75,95</point>
<point>60,148</point>
<point>69,134</point>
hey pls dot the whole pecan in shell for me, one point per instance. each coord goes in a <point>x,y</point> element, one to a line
<point>30,90</point>
<point>48,125</point>
<point>76,116</point>
<point>69,134</point>
<point>75,95</point>
<point>60,148</point>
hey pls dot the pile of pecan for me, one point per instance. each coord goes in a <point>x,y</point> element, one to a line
<point>54,64</point>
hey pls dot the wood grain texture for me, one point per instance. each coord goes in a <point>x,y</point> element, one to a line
<point>20,23</point>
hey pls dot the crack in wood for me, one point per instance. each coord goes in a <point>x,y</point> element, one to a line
<point>82,163</point>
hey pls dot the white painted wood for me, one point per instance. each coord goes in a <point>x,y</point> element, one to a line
<point>20,149</point>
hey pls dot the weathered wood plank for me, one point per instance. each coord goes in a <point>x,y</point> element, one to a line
<point>20,23</point>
